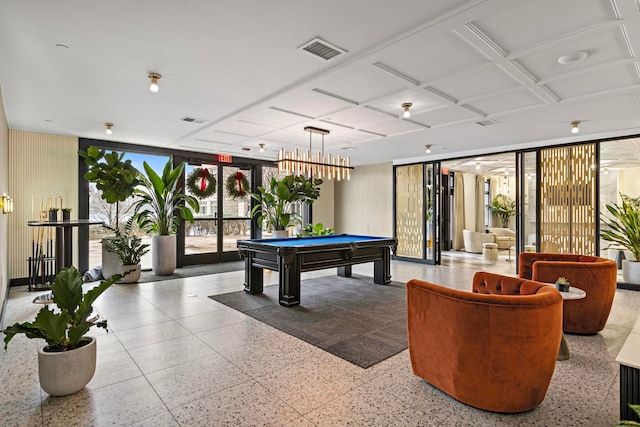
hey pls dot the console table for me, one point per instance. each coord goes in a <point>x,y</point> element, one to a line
<point>629,360</point>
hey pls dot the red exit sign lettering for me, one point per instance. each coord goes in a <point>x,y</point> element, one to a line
<point>224,158</point>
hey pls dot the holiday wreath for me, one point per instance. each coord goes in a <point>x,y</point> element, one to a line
<point>201,183</point>
<point>237,185</point>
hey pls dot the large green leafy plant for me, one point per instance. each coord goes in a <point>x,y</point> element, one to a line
<point>624,224</point>
<point>158,199</point>
<point>276,201</point>
<point>63,329</point>
<point>115,177</point>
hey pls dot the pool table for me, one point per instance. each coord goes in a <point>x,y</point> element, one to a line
<point>291,256</point>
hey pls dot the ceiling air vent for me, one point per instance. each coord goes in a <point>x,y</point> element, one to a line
<point>193,120</point>
<point>321,49</point>
<point>487,122</point>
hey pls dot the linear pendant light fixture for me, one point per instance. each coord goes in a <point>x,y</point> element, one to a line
<point>314,166</point>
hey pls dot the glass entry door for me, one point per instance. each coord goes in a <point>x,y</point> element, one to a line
<point>224,214</point>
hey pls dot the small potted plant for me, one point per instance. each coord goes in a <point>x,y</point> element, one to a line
<point>562,284</point>
<point>129,248</point>
<point>66,214</point>
<point>53,214</point>
<point>316,230</point>
<point>68,361</point>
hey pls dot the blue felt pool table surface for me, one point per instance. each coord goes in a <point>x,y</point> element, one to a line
<point>318,240</point>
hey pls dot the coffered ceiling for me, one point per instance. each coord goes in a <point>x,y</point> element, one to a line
<point>482,76</point>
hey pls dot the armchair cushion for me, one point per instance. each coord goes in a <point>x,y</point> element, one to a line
<point>473,240</point>
<point>494,348</point>
<point>594,275</point>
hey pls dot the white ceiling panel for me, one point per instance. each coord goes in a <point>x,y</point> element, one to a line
<point>421,101</point>
<point>392,127</point>
<point>241,128</point>
<point>445,116</point>
<point>506,102</point>
<point>528,23</point>
<point>357,117</point>
<point>606,79</point>
<point>602,47</point>
<point>475,82</point>
<point>434,56</point>
<point>360,83</point>
<point>309,103</point>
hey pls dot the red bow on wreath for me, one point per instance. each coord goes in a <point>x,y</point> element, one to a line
<point>204,173</point>
<point>239,177</point>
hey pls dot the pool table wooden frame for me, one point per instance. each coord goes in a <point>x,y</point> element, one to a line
<point>290,261</point>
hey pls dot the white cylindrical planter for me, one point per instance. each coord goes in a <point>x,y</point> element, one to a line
<point>163,254</point>
<point>631,271</point>
<point>279,234</point>
<point>132,277</point>
<point>110,260</point>
<point>69,371</point>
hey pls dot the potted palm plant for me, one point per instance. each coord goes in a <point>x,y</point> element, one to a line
<point>160,204</point>
<point>116,179</point>
<point>504,207</point>
<point>68,361</point>
<point>274,208</point>
<point>129,248</point>
<point>624,229</point>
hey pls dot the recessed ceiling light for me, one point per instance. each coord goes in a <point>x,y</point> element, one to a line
<point>572,57</point>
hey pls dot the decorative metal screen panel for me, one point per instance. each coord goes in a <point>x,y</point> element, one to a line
<point>567,199</point>
<point>409,211</point>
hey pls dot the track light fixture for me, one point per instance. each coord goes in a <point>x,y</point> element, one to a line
<point>261,147</point>
<point>108,127</point>
<point>153,87</point>
<point>574,126</point>
<point>427,148</point>
<point>406,114</point>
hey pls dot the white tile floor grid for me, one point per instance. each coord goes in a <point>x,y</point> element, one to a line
<point>177,358</point>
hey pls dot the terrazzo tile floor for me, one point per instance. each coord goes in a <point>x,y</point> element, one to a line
<point>174,357</point>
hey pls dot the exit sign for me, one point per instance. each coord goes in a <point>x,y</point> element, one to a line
<point>224,158</point>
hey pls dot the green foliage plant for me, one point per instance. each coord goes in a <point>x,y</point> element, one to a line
<point>627,423</point>
<point>503,206</point>
<point>115,177</point>
<point>316,230</point>
<point>275,202</point>
<point>158,199</point>
<point>64,328</point>
<point>126,244</point>
<point>624,224</point>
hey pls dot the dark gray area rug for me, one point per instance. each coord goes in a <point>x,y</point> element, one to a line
<point>352,318</point>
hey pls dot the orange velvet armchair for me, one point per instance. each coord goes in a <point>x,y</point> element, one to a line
<point>494,348</point>
<point>596,276</point>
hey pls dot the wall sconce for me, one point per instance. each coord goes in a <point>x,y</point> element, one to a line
<point>6,204</point>
<point>153,87</point>
<point>406,114</point>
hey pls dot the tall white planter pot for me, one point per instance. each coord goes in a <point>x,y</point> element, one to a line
<point>631,271</point>
<point>110,260</point>
<point>69,371</point>
<point>163,254</point>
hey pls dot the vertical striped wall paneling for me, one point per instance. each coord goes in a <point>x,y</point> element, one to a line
<point>40,165</point>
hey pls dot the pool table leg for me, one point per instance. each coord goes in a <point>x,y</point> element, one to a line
<point>382,268</point>
<point>344,271</point>
<point>253,277</point>
<point>289,279</point>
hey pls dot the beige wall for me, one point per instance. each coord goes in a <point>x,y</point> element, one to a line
<point>4,188</point>
<point>364,204</point>
<point>323,208</point>
<point>40,165</point>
